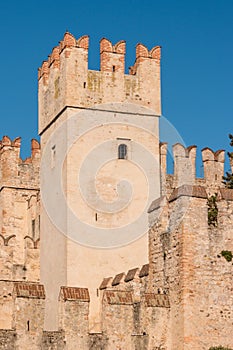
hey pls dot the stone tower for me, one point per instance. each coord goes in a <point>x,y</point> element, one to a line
<point>100,127</point>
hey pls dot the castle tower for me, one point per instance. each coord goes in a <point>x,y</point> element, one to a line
<point>97,128</point>
<point>19,221</point>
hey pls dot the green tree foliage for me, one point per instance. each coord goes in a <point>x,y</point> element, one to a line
<point>212,210</point>
<point>228,178</point>
<point>227,254</point>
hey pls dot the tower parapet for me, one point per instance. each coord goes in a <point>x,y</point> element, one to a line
<point>184,172</point>
<point>65,80</point>
<point>213,163</point>
<point>16,172</point>
<point>20,213</point>
<point>112,57</point>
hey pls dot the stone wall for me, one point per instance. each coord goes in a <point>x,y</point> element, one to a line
<point>65,81</point>
<point>186,260</point>
<point>182,299</point>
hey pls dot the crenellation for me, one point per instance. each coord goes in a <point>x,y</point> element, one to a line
<point>65,80</point>
<point>185,169</point>
<point>112,57</point>
<point>14,171</point>
<point>73,316</point>
<point>19,200</point>
<point>143,53</point>
<point>213,163</point>
<point>184,164</point>
<point>54,291</point>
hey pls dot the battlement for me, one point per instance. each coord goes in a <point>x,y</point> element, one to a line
<point>188,236</point>
<point>20,214</point>
<point>54,59</point>
<point>65,80</point>
<point>127,280</point>
<point>184,168</point>
<point>16,172</point>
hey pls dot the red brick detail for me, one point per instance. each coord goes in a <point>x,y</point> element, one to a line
<point>105,45</point>
<point>105,283</point>
<point>188,191</point>
<point>118,279</point>
<point>35,147</point>
<point>112,57</point>
<point>118,297</point>
<point>226,193</point>
<point>155,52</point>
<point>157,300</point>
<point>69,40</point>
<point>6,141</point>
<point>119,47</point>
<point>144,271</point>
<point>83,42</point>
<point>44,72</point>
<point>141,51</point>
<point>29,290</point>
<point>16,142</point>
<point>131,274</point>
<point>74,293</point>
<point>54,58</point>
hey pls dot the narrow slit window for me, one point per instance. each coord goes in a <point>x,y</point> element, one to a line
<point>122,151</point>
<point>113,68</point>
<point>33,228</point>
<point>84,85</point>
<point>53,156</point>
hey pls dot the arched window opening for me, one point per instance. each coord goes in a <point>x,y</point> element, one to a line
<point>122,151</point>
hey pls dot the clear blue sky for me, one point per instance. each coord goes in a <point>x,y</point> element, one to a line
<point>197,57</point>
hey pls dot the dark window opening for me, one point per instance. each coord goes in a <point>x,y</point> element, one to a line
<point>96,216</point>
<point>84,85</point>
<point>122,151</point>
<point>113,68</point>
<point>28,326</point>
<point>53,155</point>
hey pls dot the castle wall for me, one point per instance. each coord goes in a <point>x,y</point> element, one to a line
<point>7,339</point>
<point>185,259</point>
<point>19,221</point>
<point>183,298</point>
<point>28,317</point>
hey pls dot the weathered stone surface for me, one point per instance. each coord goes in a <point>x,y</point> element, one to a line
<point>53,340</point>
<point>131,274</point>
<point>182,299</point>
<point>97,341</point>
<point>189,191</point>
<point>7,339</point>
